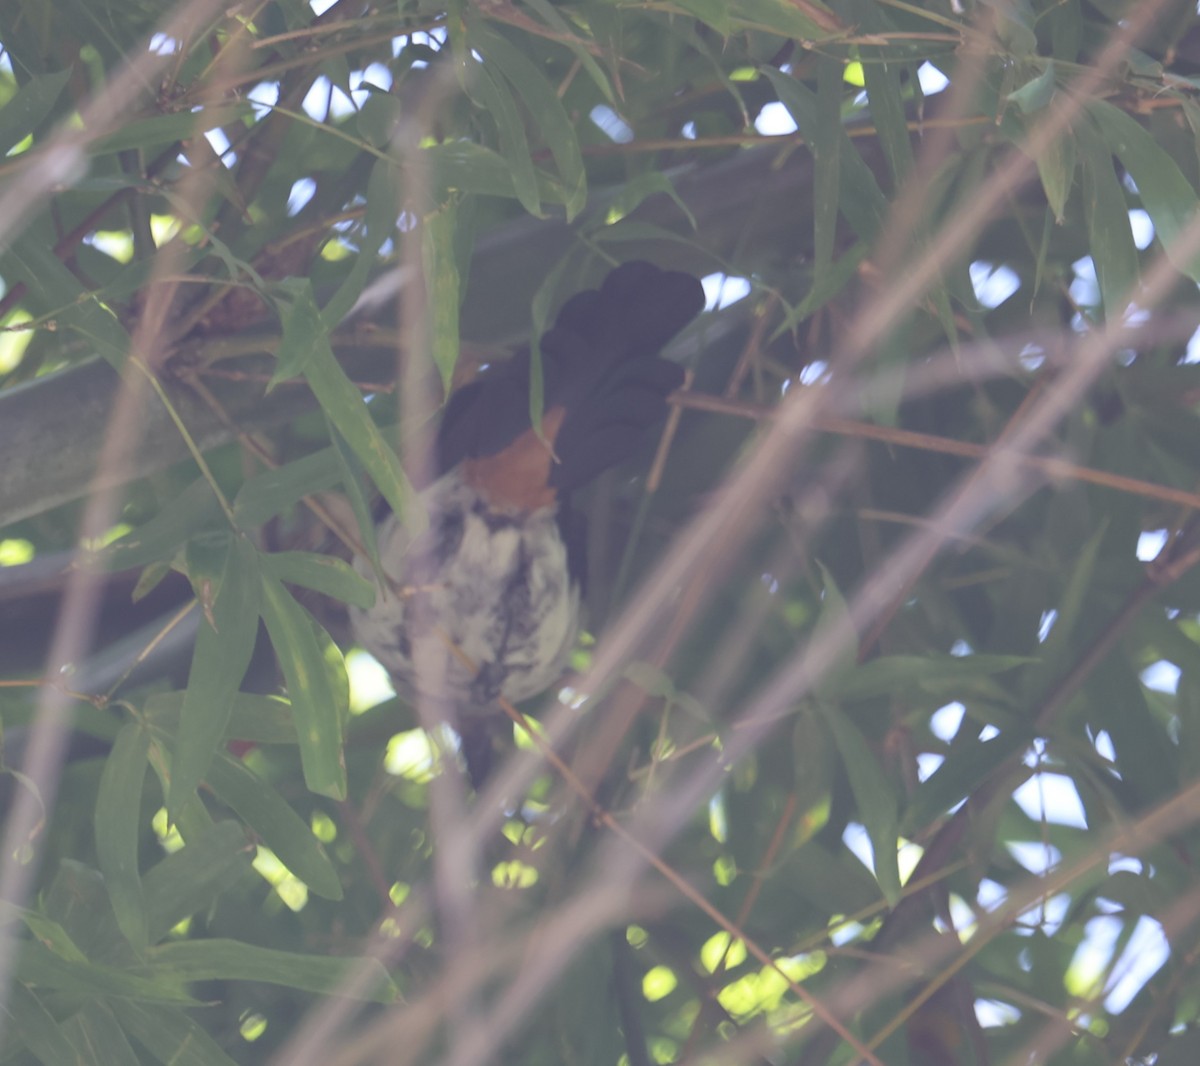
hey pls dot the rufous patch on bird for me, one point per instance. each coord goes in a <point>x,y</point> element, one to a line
<point>518,478</point>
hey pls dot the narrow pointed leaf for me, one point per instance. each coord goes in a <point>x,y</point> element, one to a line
<point>219,662</point>
<point>874,797</point>
<point>170,1035</point>
<point>549,116</point>
<point>280,827</point>
<point>273,491</point>
<point>218,959</point>
<point>494,98</point>
<point>31,104</point>
<point>191,879</point>
<point>1166,193</point>
<point>314,703</point>
<point>442,289</point>
<point>98,1038</point>
<point>189,513</point>
<point>305,350</point>
<point>38,1029</point>
<point>118,827</point>
<point>1110,238</point>
<point>322,573</point>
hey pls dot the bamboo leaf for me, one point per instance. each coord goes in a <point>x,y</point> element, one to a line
<point>440,265</point>
<point>494,98</point>
<point>170,1035</point>
<point>315,707</point>
<point>272,492</point>
<point>98,1038</point>
<point>326,574</point>
<point>224,646</point>
<point>1056,168</point>
<point>873,796</point>
<point>54,289</point>
<point>1036,93</point>
<point>192,879</point>
<point>218,959</point>
<point>29,107</point>
<point>1167,195</point>
<point>280,827</point>
<point>862,201</point>
<point>379,221</point>
<point>118,827</point>
<point>549,116</point>
<point>827,157</point>
<point>259,719</point>
<point>1109,237</point>
<point>193,511</point>
<point>305,350</point>
<point>162,129</point>
<point>37,1028</point>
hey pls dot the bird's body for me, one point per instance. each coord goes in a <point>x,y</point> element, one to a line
<point>487,602</point>
<point>492,586</point>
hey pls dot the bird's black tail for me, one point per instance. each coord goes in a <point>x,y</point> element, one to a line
<point>600,365</point>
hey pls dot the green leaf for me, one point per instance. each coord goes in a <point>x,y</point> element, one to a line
<point>887,113</point>
<point>86,980</point>
<point>54,289</point>
<point>540,317</point>
<point>1146,757</point>
<point>813,758</point>
<point>826,148</point>
<point>898,673</point>
<point>383,205</point>
<point>191,512</point>
<point>1056,168</point>
<point>1167,195</point>
<point>1036,93</point>
<point>37,1028</point>
<point>442,289</point>
<point>32,103</point>
<point>964,769</point>
<point>314,704</point>
<point>272,492</point>
<point>834,616</point>
<point>219,663</point>
<point>98,1038</point>
<point>326,574</point>
<point>217,959</point>
<point>862,201</point>
<point>825,286</point>
<point>568,35</point>
<point>873,796</point>
<point>260,719</point>
<point>118,827</point>
<point>714,13</point>
<point>636,189</point>
<point>192,878</point>
<point>784,19</point>
<point>304,349</point>
<point>549,116</point>
<point>495,99</point>
<point>354,482</point>
<point>463,166</point>
<point>1110,239</point>
<point>145,133</point>
<point>280,827</point>
<point>170,1035</point>
<point>1062,641</point>
<point>53,936</point>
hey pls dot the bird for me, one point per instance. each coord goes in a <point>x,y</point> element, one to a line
<point>487,602</point>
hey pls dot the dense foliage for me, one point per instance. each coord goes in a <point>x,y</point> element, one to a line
<point>884,740</point>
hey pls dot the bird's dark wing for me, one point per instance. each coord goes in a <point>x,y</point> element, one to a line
<point>600,366</point>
